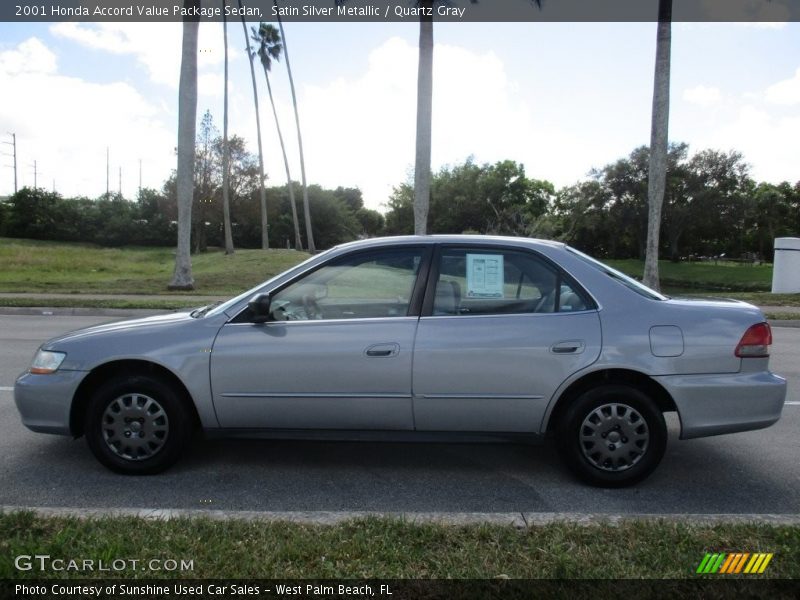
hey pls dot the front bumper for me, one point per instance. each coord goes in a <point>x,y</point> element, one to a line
<point>44,401</point>
<point>726,403</point>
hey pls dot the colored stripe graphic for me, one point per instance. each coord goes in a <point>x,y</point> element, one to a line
<point>751,564</point>
<point>726,565</point>
<point>740,564</point>
<point>765,563</point>
<point>730,566</point>
<point>703,563</point>
<point>734,563</point>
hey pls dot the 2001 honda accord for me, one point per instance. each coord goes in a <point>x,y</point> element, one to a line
<point>505,337</point>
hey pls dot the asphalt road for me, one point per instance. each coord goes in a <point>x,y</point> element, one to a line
<point>753,472</point>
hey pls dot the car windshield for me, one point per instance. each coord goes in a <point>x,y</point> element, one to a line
<point>625,280</point>
<point>215,310</point>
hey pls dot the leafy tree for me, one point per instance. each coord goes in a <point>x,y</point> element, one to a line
<point>371,221</point>
<point>497,199</point>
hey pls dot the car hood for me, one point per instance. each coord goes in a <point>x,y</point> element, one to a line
<point>154,322</point>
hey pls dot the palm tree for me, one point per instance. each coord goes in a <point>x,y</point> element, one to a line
<point>226,155</point>
<point>306,208</point>
<point>262,191</point>
<point>269,49</point>
<point>422,163</point>
<point>659,131</point>
<point>187,118</point>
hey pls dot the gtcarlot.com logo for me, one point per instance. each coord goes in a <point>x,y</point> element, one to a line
<point>733,563</point>
<point>45,562</point>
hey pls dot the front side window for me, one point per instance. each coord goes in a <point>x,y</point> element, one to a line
<point>367,285</point>
<point>493,282</point>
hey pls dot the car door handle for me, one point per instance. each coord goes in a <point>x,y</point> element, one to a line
<point>570,347</point>
<point>382,350</point>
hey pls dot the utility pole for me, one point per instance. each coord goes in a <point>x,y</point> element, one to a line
<point>35,173</point>
<point>108,172</point>
<point>13,144</point>
<point>140,178</point>
<point>120,182</point>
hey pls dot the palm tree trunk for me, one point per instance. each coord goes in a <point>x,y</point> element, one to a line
<point>306,207</point>
<point>658,142</point>
<point>297,240</point>
<point>226,153</point>
<point>187,122</point>
<point>262,191</point>
<point>422,167</point>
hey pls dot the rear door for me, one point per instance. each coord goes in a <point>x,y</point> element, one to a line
<point>501,329</point>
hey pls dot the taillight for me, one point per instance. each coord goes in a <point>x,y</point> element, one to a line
<point>755,342</point>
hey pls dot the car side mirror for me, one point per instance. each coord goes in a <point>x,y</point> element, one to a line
<point>259,306</point>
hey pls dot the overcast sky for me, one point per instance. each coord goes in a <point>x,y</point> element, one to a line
<point>560,98</point>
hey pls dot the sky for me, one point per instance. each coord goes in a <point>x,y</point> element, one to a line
<point>560,98</point>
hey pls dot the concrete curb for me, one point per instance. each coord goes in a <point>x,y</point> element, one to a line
<point>514,519</point>
<point>784,323</point>
<point>80,311</point>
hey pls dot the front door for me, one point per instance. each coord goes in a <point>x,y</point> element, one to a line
<point>337,354</point>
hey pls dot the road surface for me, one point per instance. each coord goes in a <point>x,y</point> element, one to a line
<point>753,472</point>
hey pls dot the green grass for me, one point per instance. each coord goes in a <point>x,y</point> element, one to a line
<point>36,267</point>
<point>31,266</point>
<point>706,276</point>
<point>391,548</point>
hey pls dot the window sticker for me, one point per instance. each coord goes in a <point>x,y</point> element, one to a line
<point>485,276</point>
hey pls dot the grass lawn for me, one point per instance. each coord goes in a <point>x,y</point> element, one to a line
<point>35,267</point>
<point>32,266</point>
<point>391,548</point>
<point>705,276</point>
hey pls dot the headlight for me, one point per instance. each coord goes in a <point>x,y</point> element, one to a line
<point>46,362</point>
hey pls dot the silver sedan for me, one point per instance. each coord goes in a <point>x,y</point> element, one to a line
<point>469,337</point>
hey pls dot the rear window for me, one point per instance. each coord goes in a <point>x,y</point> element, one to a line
<point>628,282</point>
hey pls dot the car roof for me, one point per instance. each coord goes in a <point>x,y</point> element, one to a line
<point>404,240</point>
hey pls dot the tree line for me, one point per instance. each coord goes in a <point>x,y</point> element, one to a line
<point>712,207</point>
<point>152,220</point>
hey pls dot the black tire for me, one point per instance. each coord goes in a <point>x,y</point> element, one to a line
<point>612,436</point>
<point>137,425</point>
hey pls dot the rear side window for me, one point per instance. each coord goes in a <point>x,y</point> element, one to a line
<point>479,281</point>
<point>628,282</point>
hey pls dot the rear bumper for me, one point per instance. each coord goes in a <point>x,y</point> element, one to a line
<point>45,401</point>
<point>727,403</point>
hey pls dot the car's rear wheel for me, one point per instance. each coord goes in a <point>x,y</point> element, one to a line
<point>137,425</point>
<point>612,436</point>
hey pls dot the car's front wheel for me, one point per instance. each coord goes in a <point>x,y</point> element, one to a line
<point>137,425</point>
<point>612,436</point>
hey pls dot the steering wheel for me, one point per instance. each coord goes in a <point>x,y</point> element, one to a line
<point>313,311</point>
